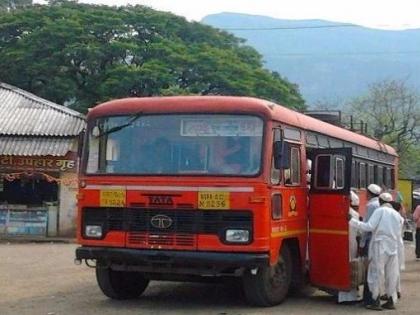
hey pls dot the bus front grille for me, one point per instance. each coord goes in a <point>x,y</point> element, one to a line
<point>144,239</point>
<point>171,227</point>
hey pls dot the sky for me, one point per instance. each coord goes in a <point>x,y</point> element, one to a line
<point>384,14</point>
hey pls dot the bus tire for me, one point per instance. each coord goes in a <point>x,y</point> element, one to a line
<point>271,284</point>
<point>120,285</point>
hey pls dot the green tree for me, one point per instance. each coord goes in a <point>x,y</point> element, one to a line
<point>392,112</point>
<point>80,55</point>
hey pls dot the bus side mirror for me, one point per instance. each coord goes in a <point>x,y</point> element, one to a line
<point>281,155</point>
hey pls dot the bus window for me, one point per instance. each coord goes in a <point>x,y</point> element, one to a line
<point>323,172</point>
<point>339,173</point>
<point>388,178</point>
<point>362,175</point>
<point>295,163</point>
<point>392,186</point>
<point>354,182</point>
<point>375,175</point>
<point>380,176</point>
<point>370,174</point>
<point>292,174</point>
<point>292,134</point>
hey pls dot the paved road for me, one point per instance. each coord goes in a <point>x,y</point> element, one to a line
<point>42,279</point>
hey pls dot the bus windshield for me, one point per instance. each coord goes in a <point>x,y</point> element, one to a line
<point>175,144</point>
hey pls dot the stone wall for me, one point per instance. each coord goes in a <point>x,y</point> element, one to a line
<point>68,204</point>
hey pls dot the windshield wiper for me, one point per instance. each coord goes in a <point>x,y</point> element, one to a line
<point>133,118</point>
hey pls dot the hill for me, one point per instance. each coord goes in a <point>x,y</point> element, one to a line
<point>330,64</point>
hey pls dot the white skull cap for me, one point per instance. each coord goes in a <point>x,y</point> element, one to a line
<point>375,189</point>
<point>387,197</point>
<point>354,199</point>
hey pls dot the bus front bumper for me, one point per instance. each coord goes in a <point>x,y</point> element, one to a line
<point>170,261</point>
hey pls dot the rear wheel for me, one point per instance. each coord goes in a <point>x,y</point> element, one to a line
<point>271,284</point>
<point>120,285</point>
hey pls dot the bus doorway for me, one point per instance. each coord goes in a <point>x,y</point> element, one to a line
<point>328,225</point>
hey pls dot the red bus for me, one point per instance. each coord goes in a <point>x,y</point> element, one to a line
<point>191,188</point>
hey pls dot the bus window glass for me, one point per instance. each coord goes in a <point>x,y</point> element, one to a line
<point>323,142</point>
<point>292,174</point>
<point>176,144</point>
<point>375,175</point>
<point>275,174</point>
<point>292,134</point>
<point>353,175</point>
<point>371,176</point>
<point>92,165</point>
<point>362,175</point>
<point>323,171</point>
<point>388,181</point>
<point>339,173</point>
<point>311,139</point>
<point>334,143</point>
<point>380,176</point>
<point>295,165</point>
<point>392,186</point>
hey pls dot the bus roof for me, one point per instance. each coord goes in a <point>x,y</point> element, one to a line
<point>233,105</point>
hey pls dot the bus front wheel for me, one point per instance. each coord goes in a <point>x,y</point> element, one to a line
<point>120,285</point>
<point>270,285</point>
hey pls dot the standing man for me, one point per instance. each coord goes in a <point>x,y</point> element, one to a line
<point>373,192</point>
<point>386,226</point>
<point>416,218</point>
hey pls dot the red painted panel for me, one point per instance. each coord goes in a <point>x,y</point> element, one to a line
<point>112,239</point>
<point>328,241</point>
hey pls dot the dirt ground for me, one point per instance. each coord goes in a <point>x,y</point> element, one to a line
<point>42,279</point>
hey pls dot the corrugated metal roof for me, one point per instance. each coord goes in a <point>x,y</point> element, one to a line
<point>36,146</point>
<point>23,113</point>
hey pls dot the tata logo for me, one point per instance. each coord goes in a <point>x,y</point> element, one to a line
<point>160,200</point>
<point>161,221</point>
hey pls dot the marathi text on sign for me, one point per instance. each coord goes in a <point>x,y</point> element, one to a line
<point>36,163</point>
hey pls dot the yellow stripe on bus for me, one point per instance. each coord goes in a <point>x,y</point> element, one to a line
<point>288,233</point>
<point>325,231</point>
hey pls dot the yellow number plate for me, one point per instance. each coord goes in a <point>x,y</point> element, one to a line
<point>213,200</point>
<point>112,198</point>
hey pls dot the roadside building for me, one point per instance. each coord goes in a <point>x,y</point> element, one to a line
<point>38,164</point>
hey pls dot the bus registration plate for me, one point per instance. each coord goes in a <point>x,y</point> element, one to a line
<point>215,200</point>
<point>112,198</point>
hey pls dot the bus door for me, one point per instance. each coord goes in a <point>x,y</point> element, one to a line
<point>329,204</point>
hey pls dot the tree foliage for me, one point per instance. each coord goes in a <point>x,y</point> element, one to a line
<point>80,55</point>
<point>392,111</point>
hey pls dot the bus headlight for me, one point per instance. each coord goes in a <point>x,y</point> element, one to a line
<point>93,231</point>
<point>237,236</point>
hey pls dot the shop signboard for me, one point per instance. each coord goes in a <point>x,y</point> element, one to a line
<point>33,163</point>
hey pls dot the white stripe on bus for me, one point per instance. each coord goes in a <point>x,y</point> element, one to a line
<point>169,188</point>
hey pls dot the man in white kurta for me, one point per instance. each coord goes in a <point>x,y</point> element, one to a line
<point>373,192</point>
<point>386,226</point>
